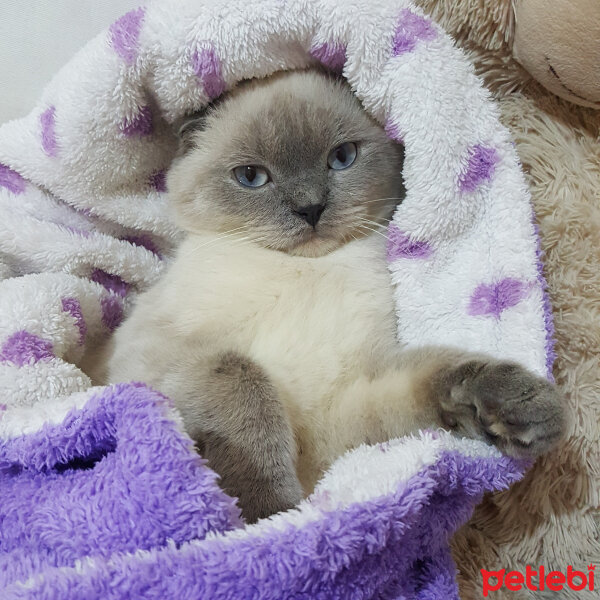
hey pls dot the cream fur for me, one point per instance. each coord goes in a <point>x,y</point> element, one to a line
<point>323,328</point>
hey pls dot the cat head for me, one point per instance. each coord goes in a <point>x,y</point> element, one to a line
<point>292,162</point>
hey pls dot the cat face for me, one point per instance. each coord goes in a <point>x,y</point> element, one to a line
<point>292,162</point>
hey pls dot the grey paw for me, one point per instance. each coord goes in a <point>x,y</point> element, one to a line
<point>522,414</point>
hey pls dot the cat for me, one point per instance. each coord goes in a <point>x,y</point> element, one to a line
<point>274,331</point>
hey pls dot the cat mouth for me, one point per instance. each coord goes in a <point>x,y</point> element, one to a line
<point>313,242</point>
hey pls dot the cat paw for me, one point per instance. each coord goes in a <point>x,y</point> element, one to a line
<point>503,403</point>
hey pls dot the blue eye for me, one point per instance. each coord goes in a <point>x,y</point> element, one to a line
<point>251,176</point>
<point>342,156</point>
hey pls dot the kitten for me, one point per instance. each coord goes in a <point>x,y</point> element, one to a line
<point>274,330</point>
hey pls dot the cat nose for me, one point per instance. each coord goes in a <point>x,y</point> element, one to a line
<point>311,213</point>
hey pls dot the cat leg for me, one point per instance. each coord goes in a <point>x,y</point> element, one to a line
<point>230,408</point>
<point>474,395</point>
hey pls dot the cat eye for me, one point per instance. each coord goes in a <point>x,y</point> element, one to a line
<point>342,156</point>
<point>251,176</point>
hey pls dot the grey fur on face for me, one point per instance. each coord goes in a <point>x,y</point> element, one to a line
<point>287,125</point>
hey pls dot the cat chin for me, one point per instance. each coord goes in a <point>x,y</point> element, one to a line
<point>314,247</point>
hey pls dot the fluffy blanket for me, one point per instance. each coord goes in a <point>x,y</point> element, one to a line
<point>102,494</point>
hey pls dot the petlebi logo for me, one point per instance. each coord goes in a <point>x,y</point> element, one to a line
<point>538,580</point>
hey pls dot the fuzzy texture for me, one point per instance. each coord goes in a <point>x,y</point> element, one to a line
<point>121,507</point>
<point>114,476</point>
<point>83,174</point>
<point>313,326</point>
<point>552,517</point>
<point>559,47</point>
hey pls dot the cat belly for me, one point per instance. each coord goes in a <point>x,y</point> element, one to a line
<point>315,333</point>
<point>313,325</point>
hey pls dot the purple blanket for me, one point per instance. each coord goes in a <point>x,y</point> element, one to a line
<point>113,503</point>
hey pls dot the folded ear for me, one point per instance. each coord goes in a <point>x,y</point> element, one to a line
<point>188,127</point>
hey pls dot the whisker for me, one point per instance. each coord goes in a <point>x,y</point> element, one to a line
<point>364,226</point>
<point>382,200</point>
<point>371,222</point>
<point>223,234</point>
<point>396,198</point>
<point>230,235</point>
<point>219,238</point>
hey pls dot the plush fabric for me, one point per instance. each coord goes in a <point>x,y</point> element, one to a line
<point>111,502</point>
<point>85,226</point>
<point>552,516</point>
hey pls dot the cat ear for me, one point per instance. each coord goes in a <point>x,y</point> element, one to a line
<point>188,127</point>
<point>191,123</point>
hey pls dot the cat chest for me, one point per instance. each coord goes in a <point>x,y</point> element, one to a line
<point>315,323</point>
